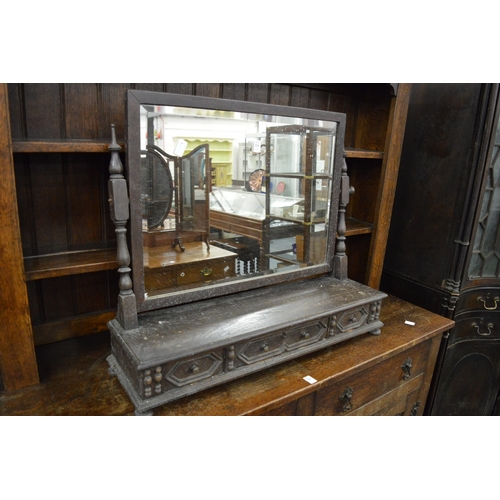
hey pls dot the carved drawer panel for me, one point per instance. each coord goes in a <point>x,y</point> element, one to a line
<point>260,349</point>
<point>349,320</point>
<point>399,374</point>
<point>352,319</point>
<point>194,369</point>
<point>305,334</point>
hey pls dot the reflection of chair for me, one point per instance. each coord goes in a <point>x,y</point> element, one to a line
<point>247,250</point>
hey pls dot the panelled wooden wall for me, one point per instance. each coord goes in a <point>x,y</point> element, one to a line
<point>60,134</point>
<point>84,111</point>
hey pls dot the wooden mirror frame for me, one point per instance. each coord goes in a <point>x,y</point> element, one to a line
<point>135,99</point>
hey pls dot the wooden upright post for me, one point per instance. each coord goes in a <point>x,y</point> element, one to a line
<point>119,209</point>
<point>17,351</point>
<point>340,260</point>
<point>387,184</point>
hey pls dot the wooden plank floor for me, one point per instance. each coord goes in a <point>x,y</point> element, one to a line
<point>75,380</point>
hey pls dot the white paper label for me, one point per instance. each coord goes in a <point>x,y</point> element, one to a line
<point>411,323</point>
<point>310,379</point>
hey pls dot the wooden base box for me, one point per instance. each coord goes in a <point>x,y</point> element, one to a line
<point>199,345</point>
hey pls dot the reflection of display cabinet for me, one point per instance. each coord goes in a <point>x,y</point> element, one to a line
<point>295,163</point>
<point>244,212</point>
<point>443,250</point>
<point>60,135</point>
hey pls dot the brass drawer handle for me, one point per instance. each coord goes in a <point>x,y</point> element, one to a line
<point>489,326</point>
<point>406,367</point>
<point>346,399</point>
<point>206,272</point>
<point>496,300</point>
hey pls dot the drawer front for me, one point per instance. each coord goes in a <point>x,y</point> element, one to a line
<point>204,272</point>
<point>403,400</point>
<point>349,395</point>
<point>486,299</point>
<point>476,326</point>
<point>201,272</point>
<point>261,348</point>
<point>159,280</point>
<point>349,320</point>
<point>194,369</point>
<point>305,334</point>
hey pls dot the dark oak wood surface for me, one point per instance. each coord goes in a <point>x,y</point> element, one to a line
<point>75,380</point>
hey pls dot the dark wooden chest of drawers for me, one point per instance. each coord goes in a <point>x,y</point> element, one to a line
<point>469,378</point>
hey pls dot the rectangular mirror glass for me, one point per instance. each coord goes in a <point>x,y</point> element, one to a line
<point>228,195</point>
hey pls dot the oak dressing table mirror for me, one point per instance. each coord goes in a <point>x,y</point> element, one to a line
<point>237,239</point>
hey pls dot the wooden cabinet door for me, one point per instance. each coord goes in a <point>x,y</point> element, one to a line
<point>470,379</point>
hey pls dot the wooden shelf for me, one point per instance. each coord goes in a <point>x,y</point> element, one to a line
<point>62,146</point>
<point>76,326</point>
<point>66,264</point>
<point>355,227</point>
<point>364,153</point>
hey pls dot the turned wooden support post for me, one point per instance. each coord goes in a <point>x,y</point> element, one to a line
<point>119,208</point>
<point>340,262</point>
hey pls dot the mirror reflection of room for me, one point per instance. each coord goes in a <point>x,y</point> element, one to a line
<point>229,195</point>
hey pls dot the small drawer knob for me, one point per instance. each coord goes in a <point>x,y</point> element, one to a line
<point>195,368</point>
<point>304,335</point>
<point>264,347</point>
